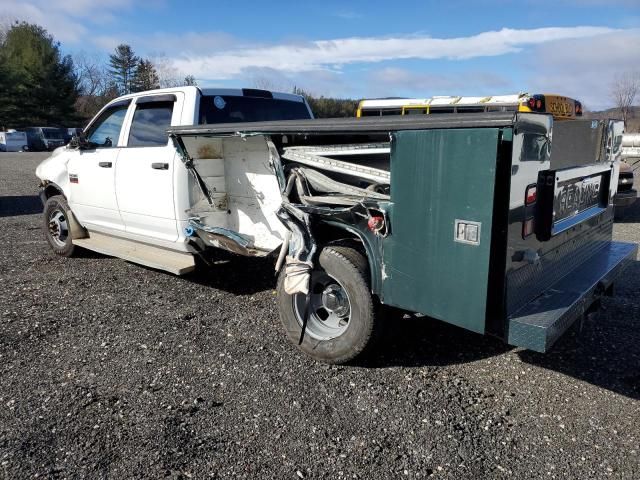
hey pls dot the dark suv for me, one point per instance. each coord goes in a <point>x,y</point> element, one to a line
<point>42,139</point>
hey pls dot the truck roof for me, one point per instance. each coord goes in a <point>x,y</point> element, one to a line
<point>214,91</point>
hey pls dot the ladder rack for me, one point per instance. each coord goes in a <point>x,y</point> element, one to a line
<point>318,156</point>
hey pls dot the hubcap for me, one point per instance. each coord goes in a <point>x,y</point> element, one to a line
<point>329,307</point>
<point>58,227</point>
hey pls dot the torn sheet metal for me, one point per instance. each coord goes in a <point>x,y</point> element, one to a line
<point>314,188</point>
<point>276,164</point>
<point>226,239</point>
<point>302,248</point>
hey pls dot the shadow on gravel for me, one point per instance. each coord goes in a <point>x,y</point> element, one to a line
<point>630,214</point>
<point>604,350</point>
<point>236,274</point>
<point>423,341</point>
<point>584,358</point>
<point>20,205</point>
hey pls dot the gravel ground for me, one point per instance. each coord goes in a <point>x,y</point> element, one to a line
<point>112,370</point>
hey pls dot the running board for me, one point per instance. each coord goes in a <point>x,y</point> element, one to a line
<point>174,262</point>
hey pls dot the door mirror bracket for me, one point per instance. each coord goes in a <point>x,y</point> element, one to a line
<point>80,142</point>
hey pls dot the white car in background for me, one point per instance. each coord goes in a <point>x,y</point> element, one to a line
<point>13,141</point>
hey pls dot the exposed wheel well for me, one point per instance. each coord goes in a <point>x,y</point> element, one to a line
<point>52,189</point>
<point>330,235</point>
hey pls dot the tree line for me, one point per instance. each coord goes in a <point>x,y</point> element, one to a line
<point>41,86</point>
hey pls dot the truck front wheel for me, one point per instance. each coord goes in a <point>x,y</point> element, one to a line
<point>341,315</point>
<point>57,227</point>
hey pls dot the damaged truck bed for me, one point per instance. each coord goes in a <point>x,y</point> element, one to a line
<point>495,222</point>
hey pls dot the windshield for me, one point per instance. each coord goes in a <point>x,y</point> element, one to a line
<point>52,133</point>
<point>231,108</point>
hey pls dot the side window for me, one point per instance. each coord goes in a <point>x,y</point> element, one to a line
<point>105,131</point>
<point>150,123</point>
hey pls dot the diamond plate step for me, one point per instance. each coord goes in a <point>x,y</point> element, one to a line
<point>538,324</point>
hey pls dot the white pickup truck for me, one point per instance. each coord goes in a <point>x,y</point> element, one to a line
<point>511,211</point>
<point>124,191</point>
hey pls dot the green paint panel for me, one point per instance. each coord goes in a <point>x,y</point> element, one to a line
<point>438,176</point>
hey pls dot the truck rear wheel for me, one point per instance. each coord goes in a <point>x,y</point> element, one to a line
<point>342,321</point>
<point>57,227</point>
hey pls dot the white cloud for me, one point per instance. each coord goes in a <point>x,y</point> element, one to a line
<point>60,26</point>
<point>69,21</point>
<point>584,68</point>
<point>189,43</point>
<point>393,81</point>
<point>332,54</point>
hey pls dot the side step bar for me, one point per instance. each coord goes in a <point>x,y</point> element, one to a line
<point>177,263</point>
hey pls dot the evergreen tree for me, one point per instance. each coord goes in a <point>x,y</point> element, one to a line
<point>37,84</point>
<point>123,65</point>
<point>325,107</point>
<point>145,78</point>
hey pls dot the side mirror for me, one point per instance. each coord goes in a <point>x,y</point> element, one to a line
<point>79,141</point>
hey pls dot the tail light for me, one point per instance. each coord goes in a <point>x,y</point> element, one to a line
<point>375,223</point>
<point>538,103</point>
<point>530,197</point>
<point>578,109</point>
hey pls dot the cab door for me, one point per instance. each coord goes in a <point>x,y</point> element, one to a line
<point>92,171</point>
<point>145,171</point>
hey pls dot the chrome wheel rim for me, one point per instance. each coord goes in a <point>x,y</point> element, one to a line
<point>58,227</point>
<point>329,307</point>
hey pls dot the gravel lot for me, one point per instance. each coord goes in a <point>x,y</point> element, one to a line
<point>112,370</point>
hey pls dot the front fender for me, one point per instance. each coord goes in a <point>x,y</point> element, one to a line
<point>53,170</point>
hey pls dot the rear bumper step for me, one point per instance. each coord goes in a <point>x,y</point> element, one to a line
<point>537,325</point>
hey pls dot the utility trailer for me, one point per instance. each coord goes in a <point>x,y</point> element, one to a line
<point>498,223</point>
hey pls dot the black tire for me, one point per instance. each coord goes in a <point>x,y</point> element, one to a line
<point>56,226</point>
<point>348,269</point>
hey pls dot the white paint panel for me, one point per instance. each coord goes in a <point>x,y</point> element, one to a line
<point>244,188</point>
<point>253,191</point>
<point>93,197</point>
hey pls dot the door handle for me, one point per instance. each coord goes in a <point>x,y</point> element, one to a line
<point>160,166</point>
<point>105,164</point>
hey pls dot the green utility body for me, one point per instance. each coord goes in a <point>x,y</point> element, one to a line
<point>497,223</point>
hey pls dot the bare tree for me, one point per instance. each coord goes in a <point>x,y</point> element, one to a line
<point>624,90</point>
<point>168,75</point>
<point>263,82</point>
<point>92,74</point>
<point>94,84</point>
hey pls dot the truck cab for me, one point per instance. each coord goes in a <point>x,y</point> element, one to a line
<point>124,179</point>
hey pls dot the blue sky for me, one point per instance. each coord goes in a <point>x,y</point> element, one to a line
<point>363,48</point>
